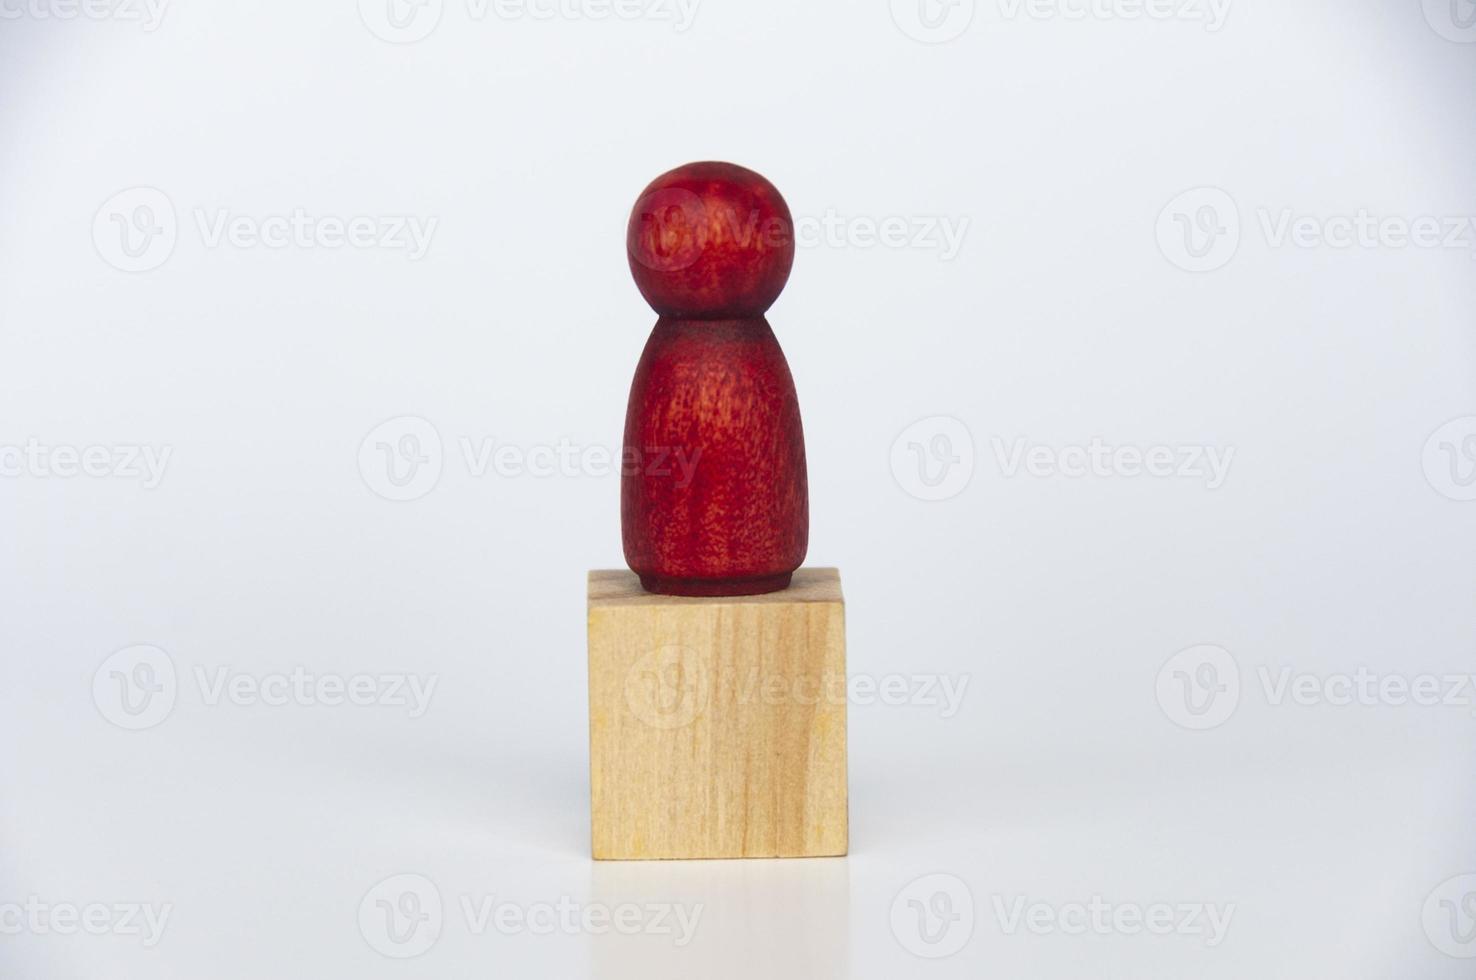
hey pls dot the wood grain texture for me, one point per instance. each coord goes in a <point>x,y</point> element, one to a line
<point>717,501</point>
<point>717,726</point>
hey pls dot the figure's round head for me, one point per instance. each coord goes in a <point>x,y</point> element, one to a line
<point>710,241</point>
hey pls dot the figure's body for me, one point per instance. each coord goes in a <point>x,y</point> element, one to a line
<point>714,496</point>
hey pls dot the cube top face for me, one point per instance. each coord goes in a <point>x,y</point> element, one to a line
<point>717,725</point>
<point>623,587</point>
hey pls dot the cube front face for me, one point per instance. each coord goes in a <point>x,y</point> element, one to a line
<point>717,726</point>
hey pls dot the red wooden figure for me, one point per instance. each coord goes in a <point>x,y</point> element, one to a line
<point>713,495</point>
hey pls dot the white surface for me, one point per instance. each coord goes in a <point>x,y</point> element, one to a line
<point>1333,543</point>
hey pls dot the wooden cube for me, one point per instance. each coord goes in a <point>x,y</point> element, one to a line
<point>717,726</point>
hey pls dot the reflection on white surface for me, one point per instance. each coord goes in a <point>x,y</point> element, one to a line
<point>758,918</point>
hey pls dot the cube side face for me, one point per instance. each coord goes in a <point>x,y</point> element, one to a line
<point>717,729</point>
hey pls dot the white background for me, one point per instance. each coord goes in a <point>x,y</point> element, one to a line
<point>1337,540</point>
